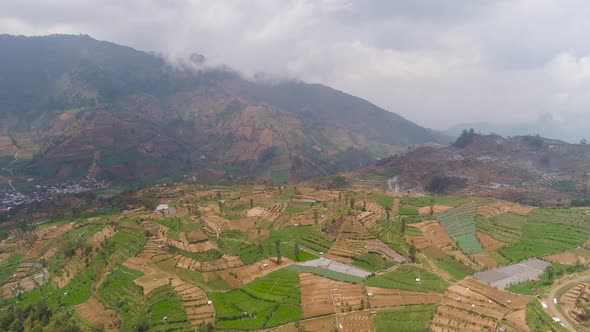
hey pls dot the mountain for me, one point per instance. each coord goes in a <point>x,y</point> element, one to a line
<point>527,169</point>
<point>72,106</point>
<point>569,127</point>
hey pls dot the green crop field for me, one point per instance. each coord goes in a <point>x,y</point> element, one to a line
<point>166,311</point>
<point>8,267</point>
<point>404,278</point>
<point>549,231</point>
<point>506,227</point>
<point>436,200</point>
<point>305,236</point>
<point>372,262</point>
<point>408,210</point>
<point>459,222</point>
<point>119,293</point>
<point>456,269</point>
<point>265,302</point>
<point>538,320</point>
<point>532,287</point>
<point>411,318</point>
<point>327,273</point>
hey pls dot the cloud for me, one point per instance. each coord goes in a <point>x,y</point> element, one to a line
<point>435,62</point>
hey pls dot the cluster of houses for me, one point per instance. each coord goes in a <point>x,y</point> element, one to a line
<point>9,198</point>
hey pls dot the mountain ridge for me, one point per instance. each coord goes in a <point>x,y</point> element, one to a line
<point>73,106</point>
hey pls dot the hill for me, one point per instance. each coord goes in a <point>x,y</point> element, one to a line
<point>191,257</point>
<point>72,106</point>
<point>527,169</point>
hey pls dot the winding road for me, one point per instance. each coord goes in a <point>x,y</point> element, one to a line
<point>553,309</point>
<point>11,171</point>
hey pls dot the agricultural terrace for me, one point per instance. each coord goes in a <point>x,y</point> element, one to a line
<point>248,257</point>
<point>266,302</point>
<point>459,222</point>
<point>411,318</point>
<point>549,231</point>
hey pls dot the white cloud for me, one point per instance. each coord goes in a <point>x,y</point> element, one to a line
<point>437,63</point>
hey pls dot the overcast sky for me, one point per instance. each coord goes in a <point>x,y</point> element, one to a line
<point>436,62</point>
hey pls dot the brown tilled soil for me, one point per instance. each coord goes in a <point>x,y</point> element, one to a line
<point>567,258</point>
<point>194,302</point>
<point>383,297</point>
<point>434,210</point>
<point>484,260</point>
<point>247,273</point>
<point>316,295</point>
<point>44,236</point>
<point>489,243</point>
<point>355,321</point>
<point>98,315</point>
<point>433,234</point>
<point>474,306</point>
<point>572,299</point>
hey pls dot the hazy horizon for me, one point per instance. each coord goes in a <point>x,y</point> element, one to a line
<point>437,65</point>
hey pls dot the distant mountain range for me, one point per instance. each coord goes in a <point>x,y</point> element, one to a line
<point>72,106</point>
<point>569,127</point>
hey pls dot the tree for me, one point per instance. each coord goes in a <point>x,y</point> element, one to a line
<point>403,226</point>
<point>550,271</point>
<point>220,206</point>
<point>412,252</point>
<point>584,141</point>
<point>296,251</point>
<point>251,202</point>
<point>278,246</point>
<point>315,217</point>
<point>352,201</point>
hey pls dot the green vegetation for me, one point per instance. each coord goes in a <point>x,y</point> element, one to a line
<point>305,236</point>
<point>404,278</point>
<point>37,317</point>
<point>8,267</point>
<point>372,262</point>
<point>434,200</point>
<point>326,273</point>
<point>381,198</point>
<point>202,256</point>
<point>538,320</point>
<point>449,264</point>
<point>280,176</point>
<point>459,222</point>
<point>79,289</point>
<point>506,227</point>
<point>166,311</point>
<point>408,210</point>
<point>120,293</point>
<point>532,287</point>
<point>567,186</point>
<point>412,318</point>
<point>390,233</point>
<point>549,231</point>
<point>265,302</point>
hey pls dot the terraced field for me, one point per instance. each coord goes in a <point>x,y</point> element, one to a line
<point>266,302</point>
<point>506,227</point>
<point>460,224</point>
<point>413,318</point>
<point>549,231</point>
<point>250,258</point>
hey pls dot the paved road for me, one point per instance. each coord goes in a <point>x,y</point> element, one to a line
<point>553,309</point>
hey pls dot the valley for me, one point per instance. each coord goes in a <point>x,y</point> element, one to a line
<point>295,258</point>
